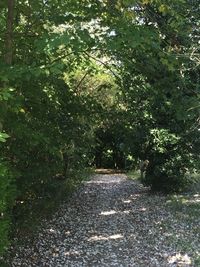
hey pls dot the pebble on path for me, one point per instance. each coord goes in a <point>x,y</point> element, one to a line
<point>110,221</point>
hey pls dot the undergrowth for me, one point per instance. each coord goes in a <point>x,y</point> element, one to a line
<point>28,215</point>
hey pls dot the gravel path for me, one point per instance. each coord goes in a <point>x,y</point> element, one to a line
<point>109,221</point>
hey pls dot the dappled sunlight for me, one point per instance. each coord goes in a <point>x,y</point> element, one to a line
<point>67,232</point>
<point>134,197</point>
<point>195,199</point>
<point>142,209</point>
<point>108,212</point>
<point>189,200</point>
<point>56,231</point>
<point>112,212</point>
<point>131,198</point>
<point>72,253</point>
<point>103,182</point>
<point>105,179</point>
<point>125,211</point>
<point>105,238</point>
<point>51,230</point>
<point>126,201</point>
<point>107,171</point>
<point>119,221</point>
<point>99,133</point>
<point>180,259</point>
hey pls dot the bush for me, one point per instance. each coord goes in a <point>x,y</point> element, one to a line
<point>194,185</point>
<point>7,196</point>
<point>168,175</point>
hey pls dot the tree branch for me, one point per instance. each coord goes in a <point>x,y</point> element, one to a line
<point>103,63</point>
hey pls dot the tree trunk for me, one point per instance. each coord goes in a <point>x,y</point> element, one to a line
<point>8,57</point>
<point>9,33</point>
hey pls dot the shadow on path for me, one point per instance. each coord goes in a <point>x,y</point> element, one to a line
<point>110,221</point>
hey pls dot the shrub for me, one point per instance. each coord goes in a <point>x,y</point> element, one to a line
<point>168,175</point>
<point>7,196</point>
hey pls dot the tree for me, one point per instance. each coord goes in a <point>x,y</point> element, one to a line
<point>149,40</point>
<point>117,76</point>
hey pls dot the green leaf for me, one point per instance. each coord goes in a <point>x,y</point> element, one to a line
<point>3,137</point>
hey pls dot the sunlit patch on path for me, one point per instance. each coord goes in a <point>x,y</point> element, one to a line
<point>110,221</point>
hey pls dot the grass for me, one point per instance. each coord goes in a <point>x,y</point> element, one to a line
<point>3,264</point>
<point>187,205</point>
<point>183,226</point>
<point>133,174</point>
<point>186,213</point>
<point>185,209</point>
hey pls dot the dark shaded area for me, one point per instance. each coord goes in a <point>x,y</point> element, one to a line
<point>109,151</point>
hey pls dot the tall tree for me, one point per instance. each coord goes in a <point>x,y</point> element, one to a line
<point>9,32</point>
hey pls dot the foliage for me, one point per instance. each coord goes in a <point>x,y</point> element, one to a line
<point>29,213</point>
<point>159,85</point>
<point>7,197</point>
<point>77,78</point>
<point>47,122</point>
